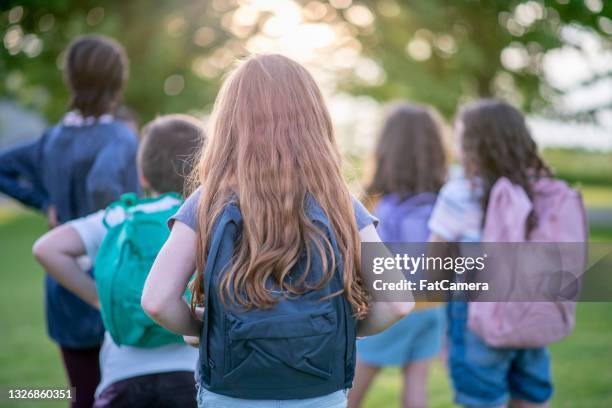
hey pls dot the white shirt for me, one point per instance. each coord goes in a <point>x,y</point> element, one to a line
<point>121,362</point>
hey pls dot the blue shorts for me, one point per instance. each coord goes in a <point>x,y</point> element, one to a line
<point>416,337</point>
<point>484,376</point>
<point>208,399</point>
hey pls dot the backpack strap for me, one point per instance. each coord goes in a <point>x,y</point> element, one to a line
<point>225,228</point>
<point>507,212</point>
<point>317,215</point>
<point>131,200</point>
<point>126,201</point>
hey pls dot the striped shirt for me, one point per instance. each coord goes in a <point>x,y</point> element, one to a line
<point>457,215</point>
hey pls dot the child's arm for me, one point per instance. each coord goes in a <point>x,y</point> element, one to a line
<point>58,252</point>
<point>382,314</point>
<point>162,297</point>
<point>21,163</point>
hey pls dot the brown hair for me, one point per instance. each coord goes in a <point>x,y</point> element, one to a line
<point>96,70</point>
<point>167,151</point>
<point>410,157</point>
<point>272,143</point>
<point>496,143</point>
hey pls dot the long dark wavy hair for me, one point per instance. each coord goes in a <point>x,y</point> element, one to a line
<point>495,143</point>
<point>410,157</point>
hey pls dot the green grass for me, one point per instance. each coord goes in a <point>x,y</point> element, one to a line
<point>581,166</point>
<point>600,234</point>
<point>597,196</point>
<point>27,356</point>
<point>581,363</point>
<point>586,170</point>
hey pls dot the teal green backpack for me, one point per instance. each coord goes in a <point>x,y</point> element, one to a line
<point>123,263</point>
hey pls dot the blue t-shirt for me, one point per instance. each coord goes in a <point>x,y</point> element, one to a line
<point>187,214</point>
<point>79,170</point>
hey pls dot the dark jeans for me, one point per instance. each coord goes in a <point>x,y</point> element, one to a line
<point>83,369</point>
<point>165,390</point>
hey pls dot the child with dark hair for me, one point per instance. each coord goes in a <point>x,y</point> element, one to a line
<point>96,71</point>
<point>410,168</point>
<point>162,159</point>
<point>494,143</point>
<point>134,374</point>
<point>78,166</point>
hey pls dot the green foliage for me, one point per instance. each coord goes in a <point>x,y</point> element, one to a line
<point>439,52</point>
<point>458,44</point>
<point>158,36</point>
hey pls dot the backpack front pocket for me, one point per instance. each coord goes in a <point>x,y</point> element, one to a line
<point>293,348</point>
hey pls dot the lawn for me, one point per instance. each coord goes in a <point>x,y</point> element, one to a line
<point>581,166</point>
<point>581,364</point>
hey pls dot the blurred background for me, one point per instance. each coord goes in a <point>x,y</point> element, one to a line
<point>552,58</point>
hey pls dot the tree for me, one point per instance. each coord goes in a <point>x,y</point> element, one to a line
<point>443,51</point>
<point>439,52</point>
<point>167,43</point>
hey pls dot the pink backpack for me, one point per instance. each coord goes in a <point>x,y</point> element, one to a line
<point>560,218</point>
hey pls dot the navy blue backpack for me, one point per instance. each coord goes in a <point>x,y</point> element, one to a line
<point>303,347</point>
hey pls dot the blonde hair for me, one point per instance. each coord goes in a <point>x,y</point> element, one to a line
<point>271,143</point>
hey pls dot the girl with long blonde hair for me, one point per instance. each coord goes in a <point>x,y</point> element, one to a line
<point>274,236</point>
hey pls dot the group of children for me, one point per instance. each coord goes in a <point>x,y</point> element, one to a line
<point>260,269</point>
<point>418,202</point>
